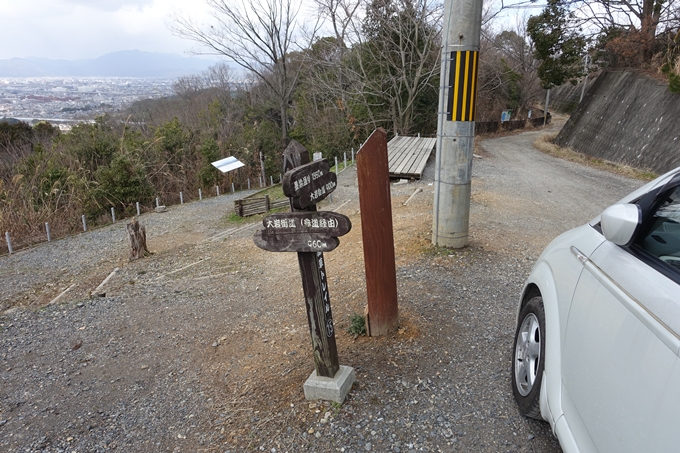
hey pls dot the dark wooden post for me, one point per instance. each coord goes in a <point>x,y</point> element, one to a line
<point>377,234</point>
<point>314,285</point>
<point>266,203</point>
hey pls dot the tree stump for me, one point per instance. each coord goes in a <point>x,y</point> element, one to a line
<point>137,235</point>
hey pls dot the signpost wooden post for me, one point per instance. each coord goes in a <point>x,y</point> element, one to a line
<point>310,233</point>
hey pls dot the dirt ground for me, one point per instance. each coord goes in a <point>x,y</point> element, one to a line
<point>204,345</point>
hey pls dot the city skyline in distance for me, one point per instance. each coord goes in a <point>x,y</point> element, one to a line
<point>127,63</point>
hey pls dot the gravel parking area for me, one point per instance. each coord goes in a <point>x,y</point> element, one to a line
<point>204,345</point>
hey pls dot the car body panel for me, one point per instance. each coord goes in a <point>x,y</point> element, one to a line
<point>564,433</point>
<point>611,380</point>
<point>556,273</point>
<point>656,302</point>
<point>665,430</point>
<point>578,432</point>
<point>614,369</point>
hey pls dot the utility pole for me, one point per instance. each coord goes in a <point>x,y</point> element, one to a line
<point>456,122</point>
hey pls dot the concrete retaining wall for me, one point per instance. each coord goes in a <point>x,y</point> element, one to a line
<point>627,117</point>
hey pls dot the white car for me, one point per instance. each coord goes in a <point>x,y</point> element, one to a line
<point>597,345</point>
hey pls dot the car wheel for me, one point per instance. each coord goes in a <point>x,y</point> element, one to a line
<point>528,358</point>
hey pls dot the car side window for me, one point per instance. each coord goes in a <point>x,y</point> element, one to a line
<point>661,237</point>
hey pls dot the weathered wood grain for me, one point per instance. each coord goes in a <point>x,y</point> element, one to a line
<point>377,234</point>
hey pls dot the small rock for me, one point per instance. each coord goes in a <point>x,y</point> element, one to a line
<point>531,437</point>
<point>160,209</point>
<point>215,344</point>
<point>368,446</point>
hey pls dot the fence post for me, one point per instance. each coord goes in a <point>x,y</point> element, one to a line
<point>271,180</point>
<point>352,156</point>
<point>345,154</point>
<point>337,170</point>
<point>85,224</point>
<point>47,230</point>
<point>157,202</point>
<point>232,188</point>
<point>217,190</point>
<point>266,203</point>
<point>113,215</point>
<point>248,183</point>
<point>138,209</point>
<point>200,194</point>
<point>9,242</point>
<point>181,198</point>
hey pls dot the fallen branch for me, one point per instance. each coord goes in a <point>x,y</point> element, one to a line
<point>101,285</point>
<point>185,267</point>
<point>418,190</point>
<point>62,293</point>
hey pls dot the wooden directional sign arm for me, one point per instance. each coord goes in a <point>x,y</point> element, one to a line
<point>302,231</point>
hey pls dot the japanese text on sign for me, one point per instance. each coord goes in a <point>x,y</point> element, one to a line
<point>306,179</point>
<point>321,191</point>
<point>309,223</point>
<point>324,294</point>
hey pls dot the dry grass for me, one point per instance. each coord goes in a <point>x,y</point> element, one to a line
<point>545,144</point>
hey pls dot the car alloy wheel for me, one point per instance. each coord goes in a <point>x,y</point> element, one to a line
<point>528,357</point>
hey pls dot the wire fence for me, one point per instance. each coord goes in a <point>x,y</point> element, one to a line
<point>12,245</point>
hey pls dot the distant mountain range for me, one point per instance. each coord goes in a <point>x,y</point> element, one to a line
<point>126,63</point>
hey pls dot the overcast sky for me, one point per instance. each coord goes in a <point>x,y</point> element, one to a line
<point>75,29</point>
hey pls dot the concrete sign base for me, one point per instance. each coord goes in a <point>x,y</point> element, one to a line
<point>330,389</point>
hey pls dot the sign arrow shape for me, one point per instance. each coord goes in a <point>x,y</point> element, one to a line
<point>302,231</point>
<point>309,183</point>
<point>276,241</point>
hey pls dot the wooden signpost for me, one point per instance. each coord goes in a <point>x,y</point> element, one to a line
<point>310,183</point>
<point>302,231</point>
<point>310,233</point>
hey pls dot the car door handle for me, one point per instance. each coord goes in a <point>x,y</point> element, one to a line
<point>579,255</point>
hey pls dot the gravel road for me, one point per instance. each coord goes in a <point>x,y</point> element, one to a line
<point>204,345</point>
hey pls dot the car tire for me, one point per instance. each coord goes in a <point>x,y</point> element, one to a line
<point>528,358</point>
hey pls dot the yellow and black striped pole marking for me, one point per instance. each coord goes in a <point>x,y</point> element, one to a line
<point>462,85</point>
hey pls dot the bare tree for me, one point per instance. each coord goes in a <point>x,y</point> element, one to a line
<point>507,72</point>
<point>259,36</point>
<point>387,57</point>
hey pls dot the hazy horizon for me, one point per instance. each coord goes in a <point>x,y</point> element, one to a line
<point>87,29</point>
